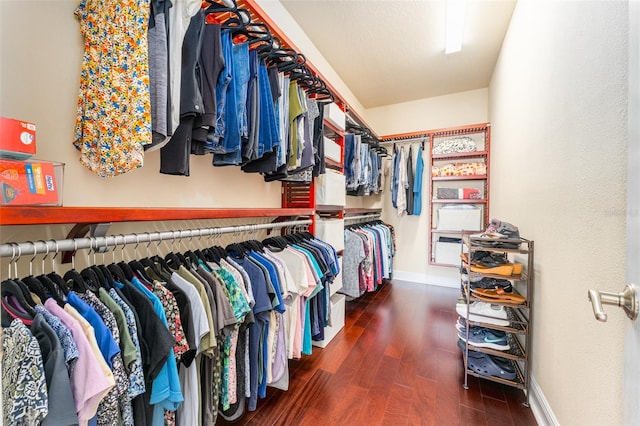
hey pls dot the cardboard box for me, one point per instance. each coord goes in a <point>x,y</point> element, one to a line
<point>17,138</point>
<point>448,253</point>
<point>29,183</point>
<point>452,219</point>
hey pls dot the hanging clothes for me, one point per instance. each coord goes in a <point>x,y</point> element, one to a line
<point>417,185</point>
<point>367,258</point>
<point>113,121</point>
<point>409,185</point>
<point>179,340</point>
<point>402,183</point>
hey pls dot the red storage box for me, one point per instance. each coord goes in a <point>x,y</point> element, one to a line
<point>29,183</point>
<point>17,138</point>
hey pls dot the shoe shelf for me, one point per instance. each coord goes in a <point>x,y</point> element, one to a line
<point>520,316</point>
<point>519,382</point>
<point>524,305</point>
<point>477,243</point>
<point>515,351</point>
<point>518,277</point>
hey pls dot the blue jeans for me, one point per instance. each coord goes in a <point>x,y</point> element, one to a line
<point>213,143</point>
<point>269,138</point>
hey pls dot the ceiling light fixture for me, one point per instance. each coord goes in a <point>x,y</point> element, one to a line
<point>454,25</point>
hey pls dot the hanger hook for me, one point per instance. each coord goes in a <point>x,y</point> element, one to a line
<point>115,246</point>
<point>124,245</point>
<point>73,256</point>
<point>46,246</point>
<point>135,248</point>
<point>35,254</point>
<point>159,242</point>
<point>95,249</point>
<point>148,234</point>
<point>106,248</point>
<point>13,256</point>
<point>53,259</point>
<point>89,251</point>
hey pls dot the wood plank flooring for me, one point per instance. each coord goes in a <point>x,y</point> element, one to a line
<point>395,363</point>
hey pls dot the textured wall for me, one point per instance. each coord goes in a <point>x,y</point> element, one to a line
<point>558,107</point>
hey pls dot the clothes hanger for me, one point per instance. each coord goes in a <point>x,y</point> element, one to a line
<point>50,288</point>
<point>15,304</point>
<point>33,284</point>
<point>56,278</point>
<point>137,267</point>
<point>173,259</point>
<point>117,270</point>
<point>72,277</point>
<point>149,263</point>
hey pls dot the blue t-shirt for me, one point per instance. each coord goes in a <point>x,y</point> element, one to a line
<point>165,388</point>
<point>108,346</point>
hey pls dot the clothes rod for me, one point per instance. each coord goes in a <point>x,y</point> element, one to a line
<point>15,250</point>
<point>369,216</point>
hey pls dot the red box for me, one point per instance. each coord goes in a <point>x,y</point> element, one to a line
<point>28,183</point>
<point>17,138</point>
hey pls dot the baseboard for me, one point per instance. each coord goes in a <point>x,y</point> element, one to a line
<point>431,279</point>
<point>540,406</point>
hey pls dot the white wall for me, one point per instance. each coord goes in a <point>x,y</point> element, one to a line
<point>558,108</point>
<point>40,55</point>
<point>432,113</point>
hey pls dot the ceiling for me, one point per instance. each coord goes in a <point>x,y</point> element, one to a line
<point>392,51</point>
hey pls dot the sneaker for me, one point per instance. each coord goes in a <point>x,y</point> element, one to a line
<point>482,337</point>
<point>484,312</point>
<point>472,354</point>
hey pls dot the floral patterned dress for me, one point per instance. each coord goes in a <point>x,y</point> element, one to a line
<point>114,109</point>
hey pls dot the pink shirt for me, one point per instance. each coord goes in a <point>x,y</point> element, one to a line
<point>88,382</point>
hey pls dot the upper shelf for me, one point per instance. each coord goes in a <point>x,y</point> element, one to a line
<point>333,131</point>
<point>59,215</point>
<point>467,177</point>
<point>470,154</point>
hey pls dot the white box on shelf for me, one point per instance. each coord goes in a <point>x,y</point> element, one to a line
<point>331,189</point>
<point>331,149</point>
<point>335,115</point>
<point>336,285</point>
<point>448,253</point>
<point>459,219</point>
<point>337,320</point>
<point>331,231</point>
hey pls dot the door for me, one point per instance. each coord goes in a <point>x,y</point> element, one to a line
<point>632,349</point>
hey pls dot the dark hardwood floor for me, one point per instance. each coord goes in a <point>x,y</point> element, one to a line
<point>395,363</point>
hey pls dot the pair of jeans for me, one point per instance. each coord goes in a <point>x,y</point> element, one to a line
<point>230,152</point>
<point>268,138</point>
<point>214,138</point>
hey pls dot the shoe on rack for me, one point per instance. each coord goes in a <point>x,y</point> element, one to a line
<point>492,283</point>
<point>498,295</point>
<point>483,312</point>
<point>472,354</point>
<point>489,365</point>
<point>482,337</point>
<point>506,270</point>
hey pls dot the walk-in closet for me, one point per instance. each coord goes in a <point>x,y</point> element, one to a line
<point>306,212</point>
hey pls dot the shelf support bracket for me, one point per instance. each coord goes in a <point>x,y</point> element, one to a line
<point>80,230</point>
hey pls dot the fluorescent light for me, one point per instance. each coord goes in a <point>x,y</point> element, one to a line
<point>455,25</point>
